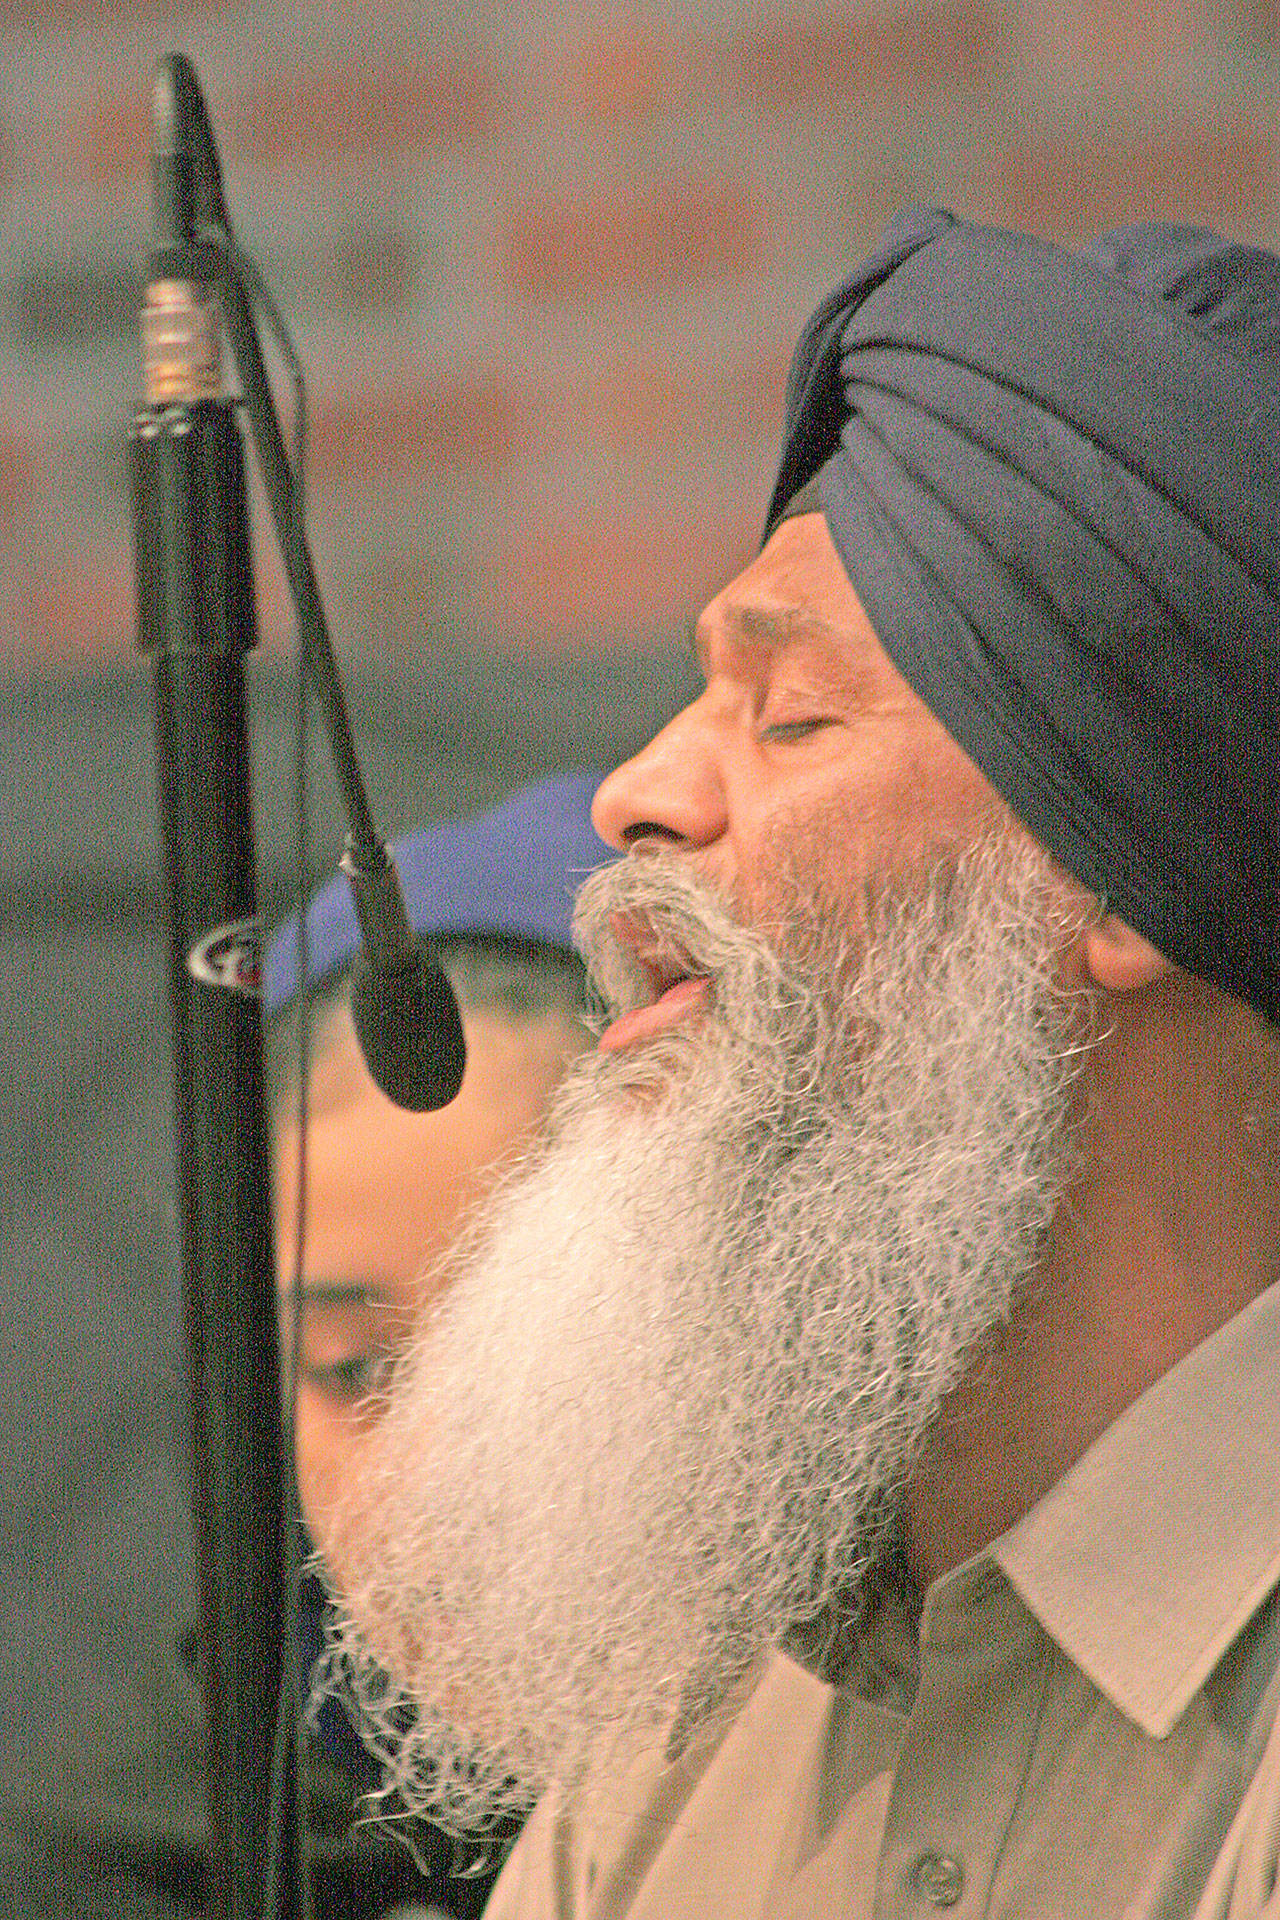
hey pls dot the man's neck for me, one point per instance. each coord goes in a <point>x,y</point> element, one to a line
<point>1171,1229</point>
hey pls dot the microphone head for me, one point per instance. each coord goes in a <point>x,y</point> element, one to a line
<point>410,1032</point>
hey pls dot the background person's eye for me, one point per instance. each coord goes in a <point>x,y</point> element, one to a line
<point>347,1344</point>
<point>357,1377</point>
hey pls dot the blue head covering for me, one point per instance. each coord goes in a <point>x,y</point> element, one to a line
<point>512,872</point>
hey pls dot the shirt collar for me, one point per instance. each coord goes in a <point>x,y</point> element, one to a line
<point>1151,1554</point>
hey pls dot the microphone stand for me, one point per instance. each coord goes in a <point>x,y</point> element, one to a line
<point>196,620</point>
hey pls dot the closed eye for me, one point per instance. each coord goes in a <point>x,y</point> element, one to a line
<point>784,731</point>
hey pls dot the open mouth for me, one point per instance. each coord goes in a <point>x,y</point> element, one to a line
<point>673,990</point>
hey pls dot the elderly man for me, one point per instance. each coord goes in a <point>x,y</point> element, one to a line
<point>843,1479</point>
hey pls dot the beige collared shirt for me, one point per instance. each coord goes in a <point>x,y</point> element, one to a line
<point>1085,1730</point>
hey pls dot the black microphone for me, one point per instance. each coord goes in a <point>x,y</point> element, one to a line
<point>402,1006</point>
<point>405,1014</point>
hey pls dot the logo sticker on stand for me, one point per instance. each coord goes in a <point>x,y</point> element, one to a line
<point>229,957</point>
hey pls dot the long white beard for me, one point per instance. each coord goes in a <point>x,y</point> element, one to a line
<point>669,1405</point>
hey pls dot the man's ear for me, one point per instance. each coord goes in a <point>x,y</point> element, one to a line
<point>1120,960</point>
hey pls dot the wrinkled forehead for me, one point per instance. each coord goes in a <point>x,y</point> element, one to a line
<point>796,591</point>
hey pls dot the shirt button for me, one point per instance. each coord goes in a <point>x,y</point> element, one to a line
<point>938,1879</point>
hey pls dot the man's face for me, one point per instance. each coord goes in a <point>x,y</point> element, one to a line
<point>385,1190</point>
<point>804,716</point>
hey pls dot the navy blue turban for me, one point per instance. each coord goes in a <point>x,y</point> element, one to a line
<point>1054,481</point>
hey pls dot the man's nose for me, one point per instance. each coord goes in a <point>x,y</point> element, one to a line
<point>671,791</point>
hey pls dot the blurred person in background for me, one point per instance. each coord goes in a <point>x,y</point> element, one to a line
<point>385,1192</point>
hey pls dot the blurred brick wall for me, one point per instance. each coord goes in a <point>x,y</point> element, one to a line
<point>545,264</point>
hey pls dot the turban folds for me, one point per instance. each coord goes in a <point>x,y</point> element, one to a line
<point>1054,481</point>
